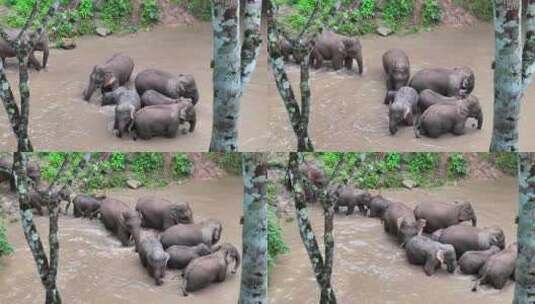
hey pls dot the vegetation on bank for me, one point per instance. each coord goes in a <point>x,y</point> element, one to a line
<point>482,9</point>
<point>5,247</point>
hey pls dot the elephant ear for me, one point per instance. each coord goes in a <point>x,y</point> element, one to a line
<point>440,256</point>
<point>407,115</point>
<point>109,79</point>
<point>399,222</point>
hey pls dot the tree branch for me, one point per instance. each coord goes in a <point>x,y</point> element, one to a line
<point>252,40</point>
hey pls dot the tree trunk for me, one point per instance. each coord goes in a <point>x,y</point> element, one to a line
<point>254,283</point>
<point>525,263</point>
<point>52,296</point>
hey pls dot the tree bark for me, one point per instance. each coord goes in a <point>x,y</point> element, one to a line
<point>254,282</point>
<point>525,263</point>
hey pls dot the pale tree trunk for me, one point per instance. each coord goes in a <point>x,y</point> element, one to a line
<point>233,66</point>
<point>525,263</point>
<point>254,278</point>
<point>514,67</point>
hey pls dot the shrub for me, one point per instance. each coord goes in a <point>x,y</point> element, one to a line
<point>397,12</point>
<point>5,247</point>
<point>228,161</point>
<point>181,165</point>
<point>457,166</point>
<point>201,9</point>
<point>507,162</point>
<point>276,244</point>
<point>86,9</point>
<point>147,165</point>
<point>431,12</point>
<point>150,12</point>
<point>116,12</point>
<point>482,9</point>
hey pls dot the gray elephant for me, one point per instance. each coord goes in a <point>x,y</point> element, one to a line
<point>174,86</point>
<point>472,261</point>
<point>398,71</point>
<point>443,118</point>
<point>467,238</point>
<point>378,205</point>
<point>422,250</point>
<point>440,215</point>
<point>498,268</point>
<point>37,201</point>
<point>403,109</point>
<point>350,197</point>
<point>288,52</point>
<point>161,214</point>
<point>314,175</point>
<point>340,50</point>
<point>399,221</point>
<point>164,120</point>
<point>33,170</point>
<point>430,97</point>
<point>107,77</point>
<point>212,268</point>
<point>6,51</point>
<point>128,103</point>
<point>207,232</point>
<point>456,82</point>
<point>122,221</point>
<point>153,98</point>
<point>180,256</point>
<point>85,206</point>
<point>153,257</point>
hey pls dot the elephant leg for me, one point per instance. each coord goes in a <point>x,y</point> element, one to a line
<point>337,209</point>
<point>459,128</point>
<point>3,61</point>
<point>360,63</point>
<point>337,62</point>
<point>221,275</point>
<point>430,266</point>
<point>123,236</point>
<point>318,60</point>
<point>350,209</point>
<point>32,60</point>
<point>362,209</point>
<point>348,63</point>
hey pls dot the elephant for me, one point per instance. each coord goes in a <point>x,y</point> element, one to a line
<point>440,215</point>
<point>399,221</point>
<point>422,250</point>
<point>443,118</point>
<point>128,103</point>
<point>378,205</point>
<point>350,197</point>
<point>152,98</point>
<point>153,257</point>
<point>158,213</point>
<point>117,217</point>
<point>85,206</point>
<point>287,51</point>
<point>498,268</point>
<point>403,109</point>
<point>174,86</point>
<point>107,77</point>
<point>341,50</point>
<point>429,97</point>
<point>180,256</point>
<point>6,51</point>
<point>207,232</point>
<point>467,238</point>
<point>314,175</point>
<point>456,82</point>
<point>211,268</point>
<point>397,70</point>
<point>38,201</point>
<point>164,120</point>
<point>33,170</point>
<point>472,261</point>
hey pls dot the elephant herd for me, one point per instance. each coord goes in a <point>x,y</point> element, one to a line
<point>435,101</point>
<point>433,233</point>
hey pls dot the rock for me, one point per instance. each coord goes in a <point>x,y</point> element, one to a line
<point>103,31</point>
<point>133,184</point>
<point>100,194</point>
<point>384,31</point>
<point>409,184</point>
<point>67,43</point>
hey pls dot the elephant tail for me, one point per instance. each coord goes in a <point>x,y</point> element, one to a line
<point>477,283</point>
<point>418,126</point>
<point>183,287</point>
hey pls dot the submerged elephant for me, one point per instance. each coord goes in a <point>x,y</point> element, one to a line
<point>128,103</point>
<point>397,69</point>
<point>340,50</point>
<point>153,98</point>
<point>6,51</point>
<point>124,222</point>
<point>378,205</point>
<point>498,268</point>
<point>440,215</point>
<point>211,268</point>
<point>153,257</point>
<point>456,82</point>
<point>403,109</point>
<point>107,77</point>
<point>467,238</point>
<point>164,120</point>
<point>180,256</point>
<point>85,206</point>
<point>422,250</point>
<point>445,118</point>
<point>472,261</point>
<point>174,86</point>
<point>350,197</point>
<point>207,232</point>
<point>161,214</point>
<point>399,221</point>
<point>430,97</point>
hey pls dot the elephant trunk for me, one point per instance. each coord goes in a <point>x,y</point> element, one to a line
<point>360,63</point>
<point>89,91</point>
<point>193,120</point>
<point>479,118</point>
<point>393,128</point>
<point>46,52</point>
<point>474,221</point>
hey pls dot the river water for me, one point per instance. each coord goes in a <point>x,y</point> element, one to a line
<point>369,266</point>
<point>94,268</point>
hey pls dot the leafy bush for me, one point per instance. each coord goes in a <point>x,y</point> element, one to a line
<point>482,9</point>
<point>507,162</point>
<point>150,12</point>
<point>228,161</point>
<point>397,12</point>
<point>5,247</point>
<point>181,165</point>
<point>457,166</point>
<point>147,165</point>
<point>116,12</point>
<point>86,9</point>
<point>201,9</point>
<point>431,12</point>
<point>276,244</point>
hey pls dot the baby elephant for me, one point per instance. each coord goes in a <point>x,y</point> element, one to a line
<point>153,257</point>
<point>422,250</point>
<point>378,206</point>
<point>211,268</point>
<point>456,82</point>
<point>467,238</point>
<point>161,214</point>
<point>397,70</point>
<point>445,118</point>
<point>180,256</point>
<point>164,120</point>
<point>152,98</point>
<point>128,103</point>
<point>207,232</point>
<point>403,109</point>
<point>350,197</point>
<point>85,206</point>
<point>399,221</point>
<point>472,261</point>
<point>115,72</point>
<point>498,268</point>
<point>430,97</point>
<point>441,215</point>
<point>174,86</point>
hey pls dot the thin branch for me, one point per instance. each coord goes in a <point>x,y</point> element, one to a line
<point>29,21</point>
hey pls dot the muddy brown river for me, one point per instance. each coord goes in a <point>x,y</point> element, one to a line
<point>94,268</point>
<point>370,267</point>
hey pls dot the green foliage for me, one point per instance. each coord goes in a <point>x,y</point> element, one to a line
<point>116,12</point>
<point>482,9</point>
<point>457,166</point>
<point>431,13</point>
<point>147,166</point>
<point>228,161</point>
<point>181,165</point>
<point>507,162</point>
<point>397,13</point>
<point>5,247</point>
<point>201,9</point>
<point>86,9</point>
<point>150,12</point>
<point>276,244</point>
